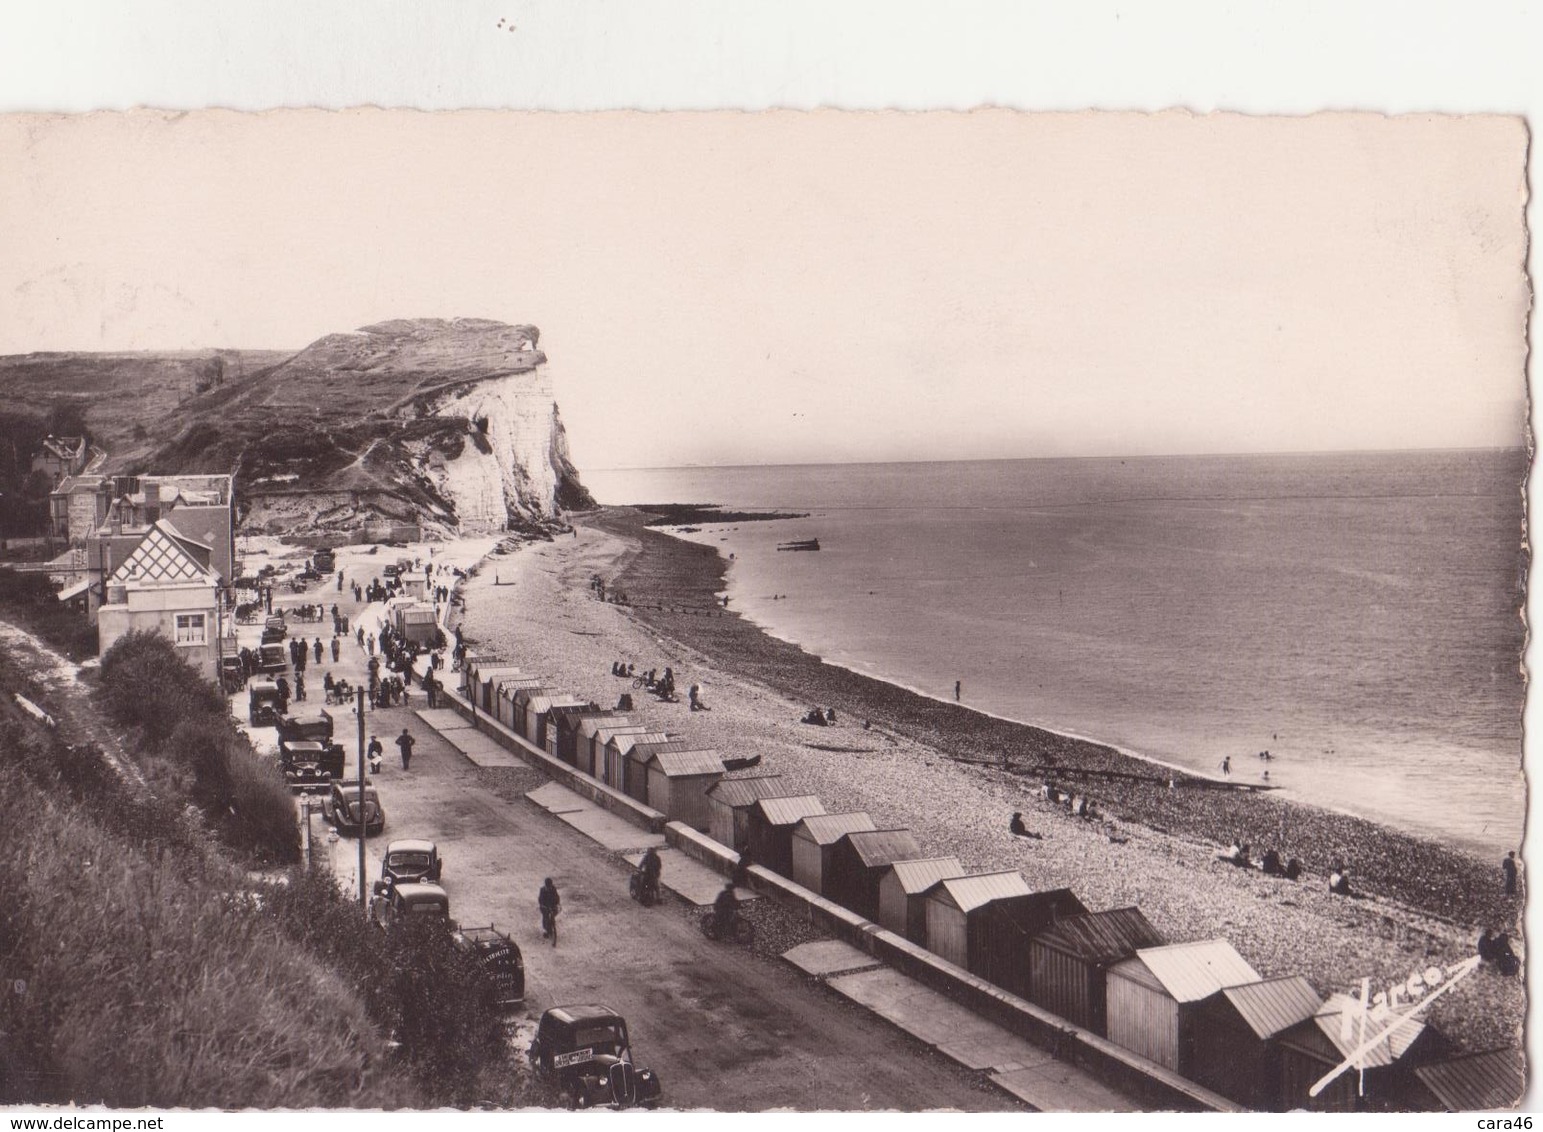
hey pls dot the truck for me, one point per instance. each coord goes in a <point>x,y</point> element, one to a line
<point>324,561</point>
<point>309,757</point>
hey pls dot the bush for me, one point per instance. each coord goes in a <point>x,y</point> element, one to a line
<point>183,717</point>
<point>31,600</point>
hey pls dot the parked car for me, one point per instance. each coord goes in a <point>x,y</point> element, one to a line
<point>410,901</point>
<point>316,725</point>
<point>309,765</point>
<point>271,658</point>
<point>264,704</point>
<point>341,808</point>
<point>325,561</point>
<point>232,674</point>
<point>501,959</point>
<point>586,1049</point>
<point>409,861</point>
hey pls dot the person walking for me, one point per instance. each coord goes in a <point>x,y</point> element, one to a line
<point>340,581</point>
<point>957,686</point>
<point>359,635</point>
<point>316,650</point>
<point>374,754</point>
<point>299,685</point>
<point>1508,870</point>
<point>1227,766</point>
<point>404,743</point>
<point>334,648</point>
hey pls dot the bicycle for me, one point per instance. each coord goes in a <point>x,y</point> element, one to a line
<point>740,929</point>
<point>549,924</point>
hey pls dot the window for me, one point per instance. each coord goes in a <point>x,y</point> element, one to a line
<point>190,629</point>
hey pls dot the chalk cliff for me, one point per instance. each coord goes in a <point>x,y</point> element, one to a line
<point>451,424</point>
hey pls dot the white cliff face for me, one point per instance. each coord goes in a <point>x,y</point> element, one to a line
<point>518,478</point>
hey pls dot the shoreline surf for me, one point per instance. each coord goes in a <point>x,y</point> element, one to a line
<point>672,585</point>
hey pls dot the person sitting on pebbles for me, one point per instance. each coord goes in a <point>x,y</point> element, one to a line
<point>1339,880</point>
<point>1018,829</point>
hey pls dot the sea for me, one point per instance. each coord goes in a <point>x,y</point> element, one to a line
<point>1356,615</point>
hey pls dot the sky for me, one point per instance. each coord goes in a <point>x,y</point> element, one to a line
<point>790,287</point>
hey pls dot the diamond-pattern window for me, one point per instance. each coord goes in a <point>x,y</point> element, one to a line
<point>158,558</point>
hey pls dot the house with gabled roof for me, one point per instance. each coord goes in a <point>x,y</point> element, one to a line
<point>166,585</point>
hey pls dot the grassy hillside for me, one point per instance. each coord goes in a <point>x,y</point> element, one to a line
<point>144,966</point>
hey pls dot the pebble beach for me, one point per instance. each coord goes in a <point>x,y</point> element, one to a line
<point>937,769</point>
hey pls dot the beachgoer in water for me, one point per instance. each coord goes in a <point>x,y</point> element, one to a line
<point>956,691</point>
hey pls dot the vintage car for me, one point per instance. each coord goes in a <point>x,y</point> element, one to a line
<point>410,901</point>
<point>585,1049</point>
<point>310,765</point>
<point>325,561</point>
<point>315,725</point>
<point>271,658</point>
<point>501,959</point>
<point>409,861</point>
<point>232,674</point>
<point>264,703</point>
<point>341,808</point>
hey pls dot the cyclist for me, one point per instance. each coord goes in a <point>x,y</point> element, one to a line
<point>726,911</point>
<point>650,867</point>
<point>551,904</point>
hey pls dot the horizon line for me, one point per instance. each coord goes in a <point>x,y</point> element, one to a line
<point>1522,447</point>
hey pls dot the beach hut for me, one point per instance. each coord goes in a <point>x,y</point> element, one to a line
<point>475,673</point>
<point>813,840</point>
<point>635,768</point>
<point>903,894</point>
<point>614,751</point>
<point>1152,996</point>
<point>998,934</point>
<point>480,689</point>
<point>588,728</point>
<point>678,782</point>
<point>1233,1046</point>
<point>770,823</point>
<point>1068,962</point>
<point>574,745</point>
<point>522,698</point>
<point>728,805</point>
<point>1476,1082</point>
<point>620,770</point>
<point>950,901</point>
<point>538,710</point>
<point>603,735</point>
<point>562,726</point>
<point>509,687</point>
<point>1310,1049</point>
<point>858,863</point>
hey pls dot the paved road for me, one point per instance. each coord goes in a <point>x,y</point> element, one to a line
<point>724,1028</point>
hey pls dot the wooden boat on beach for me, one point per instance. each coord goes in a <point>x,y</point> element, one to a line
<point>800,544</point>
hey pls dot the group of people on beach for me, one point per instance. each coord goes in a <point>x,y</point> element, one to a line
<point>1078,805</point>
<point>1264,756</point>
<point>1270,863</point>
<point>818,717</point>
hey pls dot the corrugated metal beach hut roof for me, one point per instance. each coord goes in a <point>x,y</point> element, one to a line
<point>681,764</point>
<point>1099,938</point>
<point>627,740</point>
<point>878,847</point>
<point>1390,1049</point>
<point>1188,972</point>
<point>590,724</point>
<point>969,893</point>
<point>827,829</point>
<point>738,792</point>
<point>1273,1005</point>
<point>1477,1082</point>
<point>789,811</point>
<point>916,876</point>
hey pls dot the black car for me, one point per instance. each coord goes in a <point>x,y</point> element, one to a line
<point>341,808</point>
<point>409,861</point>
<point>585,1048</point>
<point>310,766</point>
<point>264,703</point>
<point>501,959</point>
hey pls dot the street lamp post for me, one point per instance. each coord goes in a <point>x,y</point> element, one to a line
<point>364,901</point>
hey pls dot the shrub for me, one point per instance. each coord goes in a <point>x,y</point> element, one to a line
<point>185,718</point>
<point>31,600</point>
